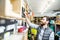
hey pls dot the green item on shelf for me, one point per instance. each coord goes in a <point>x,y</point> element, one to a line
<point>52,25</point>
<point>29,35</point>
<point>29,32</point>
<point>51,21</point>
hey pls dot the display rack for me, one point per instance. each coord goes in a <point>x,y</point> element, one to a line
<point>5,23</point>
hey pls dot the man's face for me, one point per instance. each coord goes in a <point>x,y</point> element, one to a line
<point>44,21</point>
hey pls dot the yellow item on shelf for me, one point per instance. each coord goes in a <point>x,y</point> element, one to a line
<point>34,31</point>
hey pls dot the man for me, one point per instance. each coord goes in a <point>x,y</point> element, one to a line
<point>44,32</point>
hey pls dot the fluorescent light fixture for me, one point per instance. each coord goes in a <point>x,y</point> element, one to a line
<point>45,5</point>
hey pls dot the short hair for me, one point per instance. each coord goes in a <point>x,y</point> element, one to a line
<point>47,18</point>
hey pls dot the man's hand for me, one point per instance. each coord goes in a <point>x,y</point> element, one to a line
<point>27,17</point>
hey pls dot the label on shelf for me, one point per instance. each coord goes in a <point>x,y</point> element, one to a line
<point>9,27</point>
<point>2,29</point>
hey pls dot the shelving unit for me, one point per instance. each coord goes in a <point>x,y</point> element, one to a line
<point>5,23</point>
<point>10,9</point>
<point>57,24</point>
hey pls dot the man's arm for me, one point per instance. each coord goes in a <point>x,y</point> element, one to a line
<point>29,23</point>
<point>33,25</point>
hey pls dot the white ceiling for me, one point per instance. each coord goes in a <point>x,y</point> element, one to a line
<point>38,5</point>
<point>55,6</point>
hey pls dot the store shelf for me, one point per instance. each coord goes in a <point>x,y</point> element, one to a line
<point>10,9</point>
<point>18,36</point>
<point>57,23</point>
<point>8,17</point>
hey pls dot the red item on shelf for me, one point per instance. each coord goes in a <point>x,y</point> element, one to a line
<point>20,30</point>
